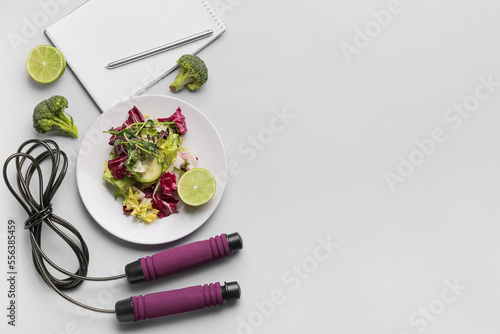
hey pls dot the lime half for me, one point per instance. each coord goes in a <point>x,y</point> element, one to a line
<point>196,187</point>
<point>45,63</point>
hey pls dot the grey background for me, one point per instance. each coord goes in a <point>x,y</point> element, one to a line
<point>319,177</point>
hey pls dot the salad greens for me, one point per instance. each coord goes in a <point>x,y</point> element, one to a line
<point>146,162</point>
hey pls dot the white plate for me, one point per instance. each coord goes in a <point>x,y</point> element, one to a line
<point>201,139</point>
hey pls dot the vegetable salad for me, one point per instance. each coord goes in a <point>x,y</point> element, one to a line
<point>146,162</point>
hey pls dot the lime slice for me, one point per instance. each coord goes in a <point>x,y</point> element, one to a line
<point>196,187</point>
<point>45,63</point>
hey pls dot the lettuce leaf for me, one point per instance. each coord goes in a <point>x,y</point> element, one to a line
<point>137,204</point>
<point>122,183</point>
<point>167,148</point>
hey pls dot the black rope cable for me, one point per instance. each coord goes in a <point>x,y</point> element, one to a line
<point>40,213</point>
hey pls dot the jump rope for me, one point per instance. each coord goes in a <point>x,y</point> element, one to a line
<point>29,163</point>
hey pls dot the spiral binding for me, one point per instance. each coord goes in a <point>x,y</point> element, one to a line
<point>214,13</point>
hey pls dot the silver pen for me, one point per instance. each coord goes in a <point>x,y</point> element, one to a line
<point>159,49</point>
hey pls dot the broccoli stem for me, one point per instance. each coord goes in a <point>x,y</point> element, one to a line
<point>65,128</point>
<point>68,120</point>
<point>182,79</point>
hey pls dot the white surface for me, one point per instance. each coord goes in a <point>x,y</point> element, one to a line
<point>316,175</point>
<point>201,139</point>
<point>94,35</point>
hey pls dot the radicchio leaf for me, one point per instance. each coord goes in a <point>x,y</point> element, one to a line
<point>165,204</point>
<point>168,183</point>
<point>135,116</point>
<point>163,199</point>
<point>179,120</point>
<point>117,167</point>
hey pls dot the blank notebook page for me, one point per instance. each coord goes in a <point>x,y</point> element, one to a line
<point>103,31</point>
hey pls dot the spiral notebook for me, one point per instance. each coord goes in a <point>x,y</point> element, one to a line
<point>102,31</point>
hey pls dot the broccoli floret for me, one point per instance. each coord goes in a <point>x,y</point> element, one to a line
<point>193,73</point>
<point>49,115</point>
